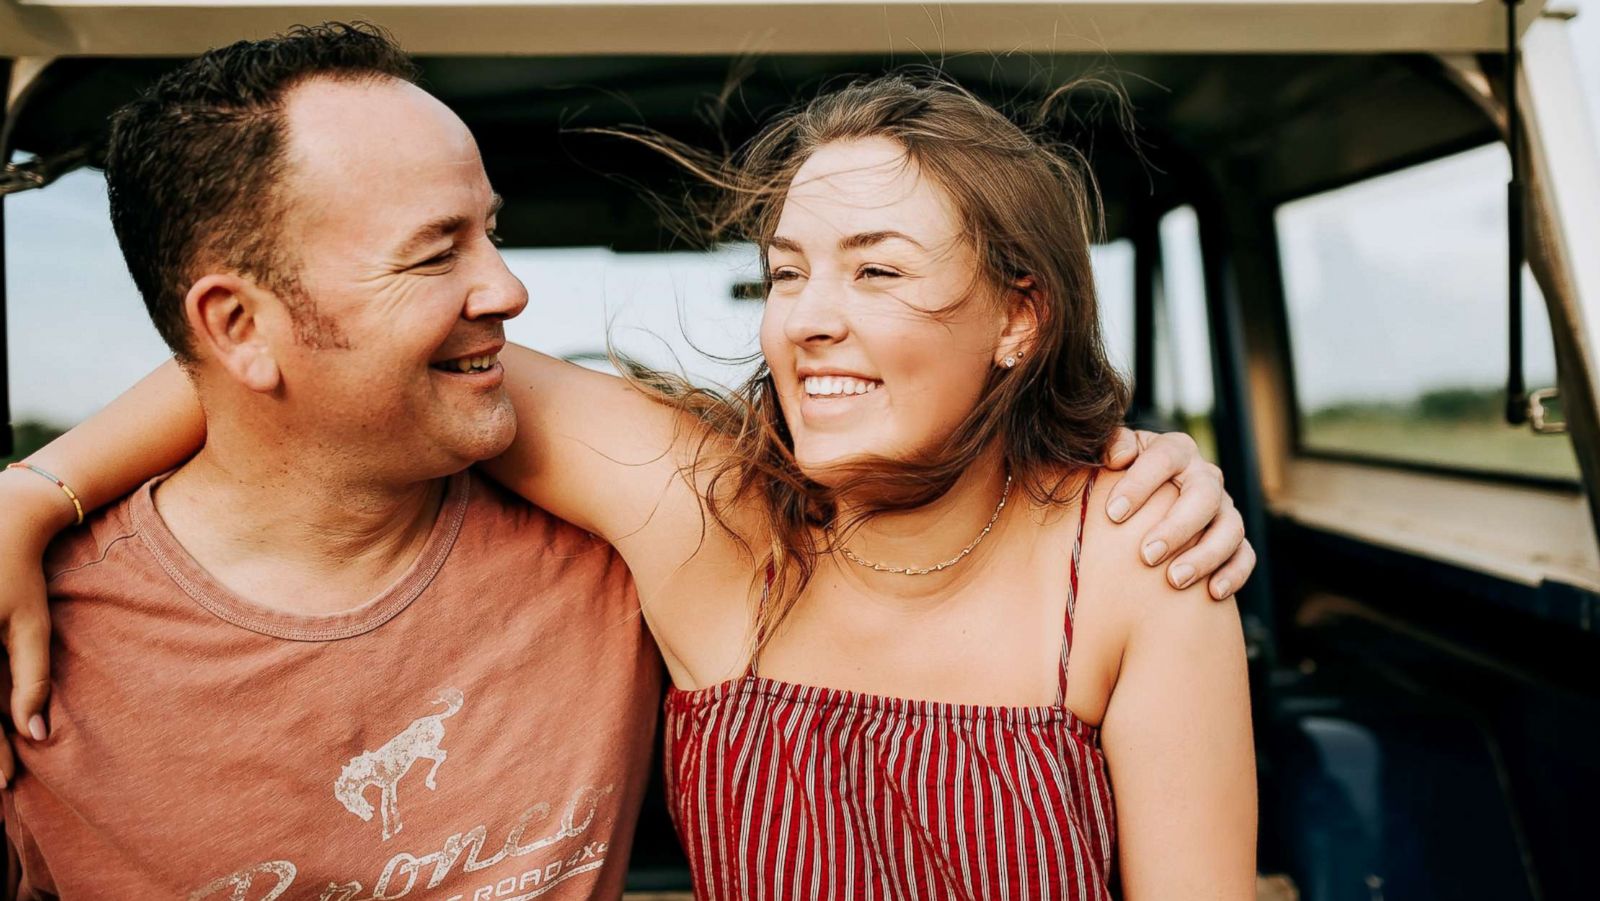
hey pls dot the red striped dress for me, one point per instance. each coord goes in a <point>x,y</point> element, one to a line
<point>781,790</point>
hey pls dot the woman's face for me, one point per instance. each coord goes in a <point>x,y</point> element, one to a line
<point>866,251</point>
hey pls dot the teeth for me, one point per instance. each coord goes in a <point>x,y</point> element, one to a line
<point>834,385</point>
<point>474,364</point>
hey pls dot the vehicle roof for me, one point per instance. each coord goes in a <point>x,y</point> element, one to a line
<point>699,27</point>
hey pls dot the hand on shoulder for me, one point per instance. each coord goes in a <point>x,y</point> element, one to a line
<point>1114,556</point>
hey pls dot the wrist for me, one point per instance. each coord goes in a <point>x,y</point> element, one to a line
<point>36,510</point>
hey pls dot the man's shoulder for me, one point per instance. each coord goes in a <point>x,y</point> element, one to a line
<point>92,544</point>
<point>503,522</point>
<point>497,501</point>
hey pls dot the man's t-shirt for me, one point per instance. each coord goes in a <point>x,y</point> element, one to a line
<point>480,730</point>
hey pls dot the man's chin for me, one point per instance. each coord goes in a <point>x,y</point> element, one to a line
<point>495,436</point>
<point>484,437</point>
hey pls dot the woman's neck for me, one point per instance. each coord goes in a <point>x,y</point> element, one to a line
<point>934,533</point>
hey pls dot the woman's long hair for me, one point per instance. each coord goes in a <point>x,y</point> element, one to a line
<point>1026,206</point>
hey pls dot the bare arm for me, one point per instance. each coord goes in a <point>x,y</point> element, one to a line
<point>597,452</point>
<point>149,429</point>
<point>1177,740</point>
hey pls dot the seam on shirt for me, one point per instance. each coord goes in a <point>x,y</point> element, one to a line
<point>427,572</point>
<point>104,553</point>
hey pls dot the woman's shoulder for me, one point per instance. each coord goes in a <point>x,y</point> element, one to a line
<point>1112,563</point>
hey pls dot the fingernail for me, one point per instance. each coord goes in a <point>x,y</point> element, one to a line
<point>1118,509</point>
<point>1154,551</point>
<point>1223,588</point>
<point>36,727</point>
<point>1182,575</point>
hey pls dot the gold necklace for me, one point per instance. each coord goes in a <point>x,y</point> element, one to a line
<point>922,571</point>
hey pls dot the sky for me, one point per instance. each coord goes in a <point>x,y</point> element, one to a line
<point>1371,272</point>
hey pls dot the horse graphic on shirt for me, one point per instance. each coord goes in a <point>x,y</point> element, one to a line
<point>386,766</point>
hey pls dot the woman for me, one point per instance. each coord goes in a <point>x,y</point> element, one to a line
<point>866,570</point>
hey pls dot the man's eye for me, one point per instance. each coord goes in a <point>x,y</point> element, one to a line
<point>443,259</point>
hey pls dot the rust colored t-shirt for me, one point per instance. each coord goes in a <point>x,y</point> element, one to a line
<point>480,730</point>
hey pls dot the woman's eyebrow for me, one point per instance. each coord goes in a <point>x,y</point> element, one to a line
<point>868,239</point>
<point>848,242</point>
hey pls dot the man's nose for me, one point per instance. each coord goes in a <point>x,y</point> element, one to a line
<point>498,295</point>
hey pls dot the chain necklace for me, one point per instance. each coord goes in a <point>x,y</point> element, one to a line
<point>922,571</point>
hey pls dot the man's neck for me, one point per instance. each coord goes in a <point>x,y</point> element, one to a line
<point>304,537</point>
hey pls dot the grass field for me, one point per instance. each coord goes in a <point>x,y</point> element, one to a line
<point>1472,444</point>
<point>29,437</point>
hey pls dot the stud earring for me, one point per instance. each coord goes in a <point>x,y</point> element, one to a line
<point>1011,360</point>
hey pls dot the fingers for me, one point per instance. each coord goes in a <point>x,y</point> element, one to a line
<point>1164,458</point>
<point>1200,507</point>
<point>1221,541</point>
<point>1227,581</point>
<point>1124,449</point>
<point>28,646</point>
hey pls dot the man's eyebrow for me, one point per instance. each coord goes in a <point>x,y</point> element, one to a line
<point>442,227</point>
<point>868,239</point>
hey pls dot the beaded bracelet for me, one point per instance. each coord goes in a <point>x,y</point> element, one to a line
<point>71,495</point>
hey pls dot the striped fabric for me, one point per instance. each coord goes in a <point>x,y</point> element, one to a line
<point>781,790</point>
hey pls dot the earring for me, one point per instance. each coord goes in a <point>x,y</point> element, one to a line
<point>1011,359</point>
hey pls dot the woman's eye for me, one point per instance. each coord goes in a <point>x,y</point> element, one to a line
<point>785,275</point>
<point>495,239</point>
<point>878,272</point>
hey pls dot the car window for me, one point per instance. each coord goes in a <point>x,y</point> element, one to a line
<point>1184,387</point>
<point>1113,278</point>
<point>679,312</point>
<point>1397,318</point>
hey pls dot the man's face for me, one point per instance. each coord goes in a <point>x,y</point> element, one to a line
<point>389,215</point>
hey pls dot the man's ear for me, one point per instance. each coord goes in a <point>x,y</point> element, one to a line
<point>229,317</point>
<point>1021,327</point>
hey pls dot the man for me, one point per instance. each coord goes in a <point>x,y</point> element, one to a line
<point>321,659</point>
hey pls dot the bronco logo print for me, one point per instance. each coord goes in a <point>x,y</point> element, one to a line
<point>385,767</point>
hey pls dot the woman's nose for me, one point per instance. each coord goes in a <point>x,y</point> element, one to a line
<point>817,314</point>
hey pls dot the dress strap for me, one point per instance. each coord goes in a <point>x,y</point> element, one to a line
<point>1072,589</point>
<point>761,629</point>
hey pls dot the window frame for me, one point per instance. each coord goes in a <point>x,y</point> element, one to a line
<point>1297,445</point>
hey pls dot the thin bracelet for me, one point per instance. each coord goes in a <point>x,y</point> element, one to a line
<point>71,495</point>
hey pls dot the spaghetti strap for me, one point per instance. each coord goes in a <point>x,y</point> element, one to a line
<point>1072,588</point>
<point>761,631</point>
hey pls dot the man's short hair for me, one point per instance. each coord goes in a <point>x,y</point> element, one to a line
<point>195,164</point>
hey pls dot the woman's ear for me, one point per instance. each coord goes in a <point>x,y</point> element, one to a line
<point>227,315</point>
<point>1021,327</point>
